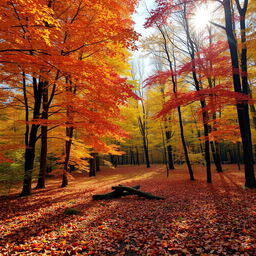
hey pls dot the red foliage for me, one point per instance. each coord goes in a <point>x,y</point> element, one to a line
<point>164,10</point>
<point>160,77</point>
<point>209,62</point>
<point>161,13</point>
<point>223,95</point>
<point>195,219</point>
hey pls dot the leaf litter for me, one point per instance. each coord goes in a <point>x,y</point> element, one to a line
<point>195,219</point>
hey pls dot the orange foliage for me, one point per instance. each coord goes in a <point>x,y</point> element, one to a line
<point>76,40</point>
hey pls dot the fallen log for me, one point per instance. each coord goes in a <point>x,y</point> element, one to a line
<point>120,191</point>
<point>134,191</point>
<point>113,194</point>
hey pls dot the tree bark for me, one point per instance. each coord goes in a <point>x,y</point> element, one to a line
<point>133,191</point>
<point>238,154</point>
<point>30,148</point>
<point>206,143</point>
<point>69,134</point>
<point>92,163</point>
<point>113,194</point>
<point>211,82</point>
<point>132,158</point>
<point>97,162</point>
<point>142,127</point>
<point>137,156</point>
<point>113,160</point>
<point>70,87</point>
<point>44,137</point>
<point>164,152</point>
<point>216,156</point>
<point>120,191</point>
<point>190,170</point>
<point>169,151</point>
<point>146,154</point>
<point>253,112</point>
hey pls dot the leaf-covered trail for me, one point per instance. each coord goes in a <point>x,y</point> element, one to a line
<point>195,219</point>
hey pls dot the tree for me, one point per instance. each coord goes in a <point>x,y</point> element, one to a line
<point>240,82</point>
<point>137,72</point>
<point>74,46</point>
<point>160,15</point>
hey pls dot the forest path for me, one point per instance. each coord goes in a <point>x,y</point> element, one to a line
<point>196,218</point>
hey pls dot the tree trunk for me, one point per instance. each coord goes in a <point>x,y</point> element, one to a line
<point>215,147</point>
<point>142,127</point>
<point>69,134</point>
<point>231,154</point>
<point>132,158</point>
<point>211,82</point>
<point>254,146</point>
<point>206,143</point>
<point>169,150</point>
<point>146,154</point>
<point>113,194</point>
<point>192,51</point>
<point>205,116</point>
<point>174,85</point>
<point>143,158</point>
<point>137,156</point>
<point>190,170</point>
<point>114,162</point>
<point>238,154</point>
<point>30,148</point>
<point>170,158</point>
<point>253,112</point>
<point>152,159</point>
<point>216,157</point>
<point>164,152</point>
<point>122,160</point>
<point>134,191</point>
<point>43,159</point>
<point>29,164</point>
<point>97,162</point>
<point>44,137</point>
<point>92,163</point>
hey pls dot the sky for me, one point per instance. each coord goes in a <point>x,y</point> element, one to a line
<point>139,18</point>
<point>141,14</point>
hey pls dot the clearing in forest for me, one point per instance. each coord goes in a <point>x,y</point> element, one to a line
<point>196,218</point>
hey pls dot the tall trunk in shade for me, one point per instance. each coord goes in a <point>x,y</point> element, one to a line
<point>143,132</point>
<point>70,88</point>
<point>238,154</point>
<point>216,156</point>
<point>44,135</point>
<point>97,162</point>
<point>68,143</point>
<point>169,150</point>
<point>31,136</point>
<point>92,165</point>
<point>190,170</point>
<point>164,151</point>
<point>137,156</point>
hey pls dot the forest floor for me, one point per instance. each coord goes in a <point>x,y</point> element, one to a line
<point>196,218</point>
